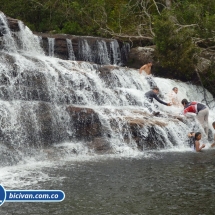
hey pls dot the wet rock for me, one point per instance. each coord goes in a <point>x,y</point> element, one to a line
<point>13,24</point>
<point>21,84</point>
<point>94,46</point>
<point>85,123</point>
<point>143,129</point>
<point>61,49</point>
<point>139,56</point>
<point>100,145</point>
<point>8,155</point>
<point>144,134</point>
<point>203,64</point>
<point>105,72</point>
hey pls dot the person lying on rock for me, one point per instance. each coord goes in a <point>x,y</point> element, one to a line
<point>201,111</point>
<point>152,94</point>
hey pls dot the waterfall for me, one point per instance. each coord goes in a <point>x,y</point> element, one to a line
<point>70,49</point>
<point>91,108</point>
<point>124,53</point>
<point>101,53</point>
<point>28,41</point>
<point>115,54</point>
<point>85,52</point>
<point>51,42</point>
<point>7,40</point>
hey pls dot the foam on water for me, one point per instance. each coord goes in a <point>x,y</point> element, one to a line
<point>34,169</point>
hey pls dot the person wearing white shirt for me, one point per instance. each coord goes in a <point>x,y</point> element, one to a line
<point>173,97</point>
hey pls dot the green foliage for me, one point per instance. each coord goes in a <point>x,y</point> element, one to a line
<point>174,47</point>
<point>177,31</point>
<point>90,17</point>
<point>72,28</point>
<point>200,13</point>
<point>208,78</point>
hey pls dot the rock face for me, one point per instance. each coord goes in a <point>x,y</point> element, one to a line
<point>91,49</point>
<point>13,24</point>
<point>87,126</point>
<point>25,85</point>
<point>139,56</point>
<point>85,123</point>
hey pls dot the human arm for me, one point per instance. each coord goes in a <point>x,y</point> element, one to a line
<point>160,101</point>
<point>198,147</point>
<point>191,134</point>
<point>142,68</point>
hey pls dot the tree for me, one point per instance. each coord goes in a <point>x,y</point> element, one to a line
<point>174,47</point>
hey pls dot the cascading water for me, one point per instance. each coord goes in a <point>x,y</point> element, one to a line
<point>85,52</point>
<point>54,108</point>
<point>7,41</point>
<point>124,53</point>
<point>70,49</point>
<point>115,54</point>
<point>51,42</point>
<point>30,43</point>
<point>101,53</point>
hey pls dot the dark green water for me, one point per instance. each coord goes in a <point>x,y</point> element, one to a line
<point>167,183</point>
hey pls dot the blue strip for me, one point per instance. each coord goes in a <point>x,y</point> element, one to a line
<point>34,196</point>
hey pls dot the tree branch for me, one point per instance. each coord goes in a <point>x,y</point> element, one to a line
<point>184,26</point>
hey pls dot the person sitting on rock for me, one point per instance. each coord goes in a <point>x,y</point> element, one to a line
<point>152,94</point>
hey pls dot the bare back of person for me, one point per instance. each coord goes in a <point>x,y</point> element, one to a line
<point>146,68</point>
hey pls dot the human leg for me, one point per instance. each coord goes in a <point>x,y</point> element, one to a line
<point>206,120</point>
<point>203,119</point>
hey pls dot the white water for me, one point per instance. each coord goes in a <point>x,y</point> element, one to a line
<point>101,53</point>
<point>7,40</point>
<point>85,52</point>
<point>59,83</point>
<point>70,49</point>
<point>51,42</point>
<point>115,53</point>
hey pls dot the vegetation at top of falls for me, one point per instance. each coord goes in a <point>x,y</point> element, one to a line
<point>123,19</point>
<point>181,30</point>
